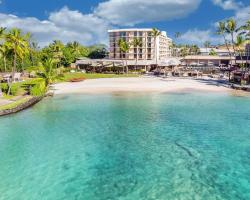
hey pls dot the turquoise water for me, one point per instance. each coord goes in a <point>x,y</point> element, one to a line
<point>128,147</point>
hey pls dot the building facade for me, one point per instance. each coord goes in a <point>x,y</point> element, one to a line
<point>149,50</point>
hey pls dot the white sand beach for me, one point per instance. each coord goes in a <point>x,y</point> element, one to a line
<point>141,84</point>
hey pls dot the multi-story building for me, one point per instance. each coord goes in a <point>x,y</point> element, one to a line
<point>149,49</point>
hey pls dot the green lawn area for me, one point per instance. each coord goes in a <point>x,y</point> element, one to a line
<point>68,76</point>
<point>15,103</point>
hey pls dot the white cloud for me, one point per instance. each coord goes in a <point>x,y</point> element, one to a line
<point>65,25</point>
<point>242,15</point>
<point>200,36</point>
<point>228,4</point>
<point>68,25</point>
<point>196,36</point>
<point>131,12</point>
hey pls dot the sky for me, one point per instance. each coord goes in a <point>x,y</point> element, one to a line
<point>87,21</point>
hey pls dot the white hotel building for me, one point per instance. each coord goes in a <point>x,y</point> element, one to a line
<point>146,51</point>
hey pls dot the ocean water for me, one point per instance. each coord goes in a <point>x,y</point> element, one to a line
<point>186,146</point>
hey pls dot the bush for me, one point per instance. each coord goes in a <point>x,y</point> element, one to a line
<point>38,89</point>
<point>4,87</point>
<point>15,88</point>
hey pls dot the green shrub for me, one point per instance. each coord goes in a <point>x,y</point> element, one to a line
<point>15,88</point>
<point>38,89</point>
<point>4,87</point>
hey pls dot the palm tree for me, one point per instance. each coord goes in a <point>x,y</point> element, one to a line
<point>137,42</point>
<point>49,72</point>
<point>3,47</point>
<point>57,51</point>
<point>222,31</point>
<point>1,35</point>
<point>177,35</point>
<point>18,44</point>
<point>124,48</point>
<point>3,54</point>
<point>245,31</point>
<point>207,44</point>
<point>231,29</point>
<point>155,34</point>
<point>239,44</point>
<point>75,47</point>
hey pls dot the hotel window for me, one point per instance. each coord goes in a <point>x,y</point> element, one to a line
<point>150,34</point>
<point>135,33</point>
<point>140,34</point>
<point>149,56</point>
<point>135,55</point>
<point>122,34</point>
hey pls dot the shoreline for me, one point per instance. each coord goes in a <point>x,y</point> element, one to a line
<point>141,85</point>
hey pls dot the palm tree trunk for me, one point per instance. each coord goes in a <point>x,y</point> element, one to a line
<point>232,36</point>
<point>13,72</point>
<point>156,57</point>
<point>5,65</point>
<point>136,59</point>
<point>1,93</point>
<point>229,75</point>
<point>126,66</point>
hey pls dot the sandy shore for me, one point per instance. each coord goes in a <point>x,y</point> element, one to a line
<point>141,84</point>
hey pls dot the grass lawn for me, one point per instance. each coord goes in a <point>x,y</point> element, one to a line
<point>68,76</point>
<point>15,103</point>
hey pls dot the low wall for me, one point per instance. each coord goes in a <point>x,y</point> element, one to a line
<point>20,107</point>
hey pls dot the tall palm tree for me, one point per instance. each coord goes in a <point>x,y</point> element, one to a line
<point>124,48</point>
<point>245,31</point>
<point>137,42</point>
<point>207,44</point>
<point>156,33</point>
<point>231,29</point>
<point>57,51</point>
<point>239,44</point>
<point>222,31</point>
<point>177,35</point>
<point>3,54</point>
<point>240,41</point>
<point>18,44</point>
<point>1,36</point>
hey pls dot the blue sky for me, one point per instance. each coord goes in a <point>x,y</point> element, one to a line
<point>87,21</point>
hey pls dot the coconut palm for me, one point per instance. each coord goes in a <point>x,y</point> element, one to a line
<point>137,42</point>
<point>245,31</point>
<point>3,47</point>
<point>57,51</point>
<point>3,54</point>
<point>124,48</point>
<point>48,71</point>
<point>177,35</point>
<point>156,33</point>
<point>240,41</point>
<point>222,31</point>
<point>18,45</point>
<point>207,44</point>
<point>231,29</point>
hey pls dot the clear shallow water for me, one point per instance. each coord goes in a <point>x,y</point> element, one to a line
<point>126,147</point>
